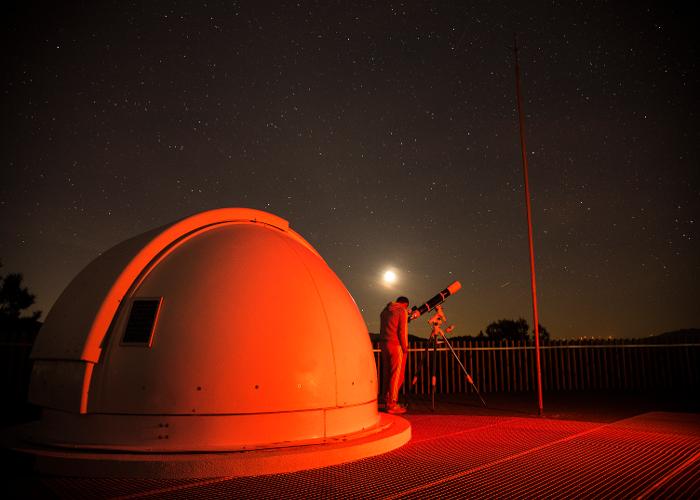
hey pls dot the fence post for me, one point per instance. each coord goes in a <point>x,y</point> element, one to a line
<point>557,364</point>
<point>506,362</point>
<point>546,366</point>
<point>470,352</point>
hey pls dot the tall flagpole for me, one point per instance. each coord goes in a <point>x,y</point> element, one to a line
<point>523,152</point>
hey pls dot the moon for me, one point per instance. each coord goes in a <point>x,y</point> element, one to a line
<point>389,277</point>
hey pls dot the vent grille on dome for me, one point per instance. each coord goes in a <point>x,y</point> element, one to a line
<point>142,321</point>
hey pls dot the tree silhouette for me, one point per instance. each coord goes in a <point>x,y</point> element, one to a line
<point>508,329</point>
<point>544,334</point>
<point>515,330</point>
<point>14,300</point>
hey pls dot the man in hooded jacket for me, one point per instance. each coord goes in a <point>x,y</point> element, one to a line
<point>393,341</point>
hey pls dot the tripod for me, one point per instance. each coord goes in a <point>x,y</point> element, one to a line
<point>438,335</point>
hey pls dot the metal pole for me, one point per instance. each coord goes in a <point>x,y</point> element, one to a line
<point>523,152</point>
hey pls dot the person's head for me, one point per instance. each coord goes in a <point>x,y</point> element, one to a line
<point>403,300</point>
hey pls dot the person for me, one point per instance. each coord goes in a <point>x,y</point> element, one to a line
<point>393,341</point>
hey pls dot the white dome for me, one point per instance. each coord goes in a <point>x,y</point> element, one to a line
<point>223,331</point>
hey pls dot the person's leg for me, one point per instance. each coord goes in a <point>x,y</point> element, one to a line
<point>402,374</point>
<point>385,360</point>
<point>395,379</point>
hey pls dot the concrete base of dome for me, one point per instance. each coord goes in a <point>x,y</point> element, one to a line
<point>391,433</point>
<point>168,433</point>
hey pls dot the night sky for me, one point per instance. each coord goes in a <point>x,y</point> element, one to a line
<point>385,133</point>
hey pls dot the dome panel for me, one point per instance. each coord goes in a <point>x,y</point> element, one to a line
<point>241,320</point>
<point>354,360</point>
<point>74,314</point>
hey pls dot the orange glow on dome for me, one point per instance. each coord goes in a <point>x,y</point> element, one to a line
<point>227,328</point>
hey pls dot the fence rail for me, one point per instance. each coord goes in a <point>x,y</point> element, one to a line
<point>510,366</point>
<point>495,367</point>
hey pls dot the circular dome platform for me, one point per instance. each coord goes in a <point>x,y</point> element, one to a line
<point>223,332</point>
<point>392,432</point>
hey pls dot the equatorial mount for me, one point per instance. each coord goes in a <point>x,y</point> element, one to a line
<point>437,335</point>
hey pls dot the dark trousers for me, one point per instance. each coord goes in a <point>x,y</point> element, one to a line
<point>393,368</point>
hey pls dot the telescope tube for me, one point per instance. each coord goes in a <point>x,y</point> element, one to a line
<point>435,301</point>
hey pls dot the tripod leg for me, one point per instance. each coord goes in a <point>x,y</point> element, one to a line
<point>466,373</point>
<point>421,364</point>
<point>433,378</point>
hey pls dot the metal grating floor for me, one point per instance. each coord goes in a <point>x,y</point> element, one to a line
<point>654,455</point>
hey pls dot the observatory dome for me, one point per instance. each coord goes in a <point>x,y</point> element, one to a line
<point>224,331</point>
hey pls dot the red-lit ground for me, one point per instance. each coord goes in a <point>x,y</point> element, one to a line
<point>463,451</point>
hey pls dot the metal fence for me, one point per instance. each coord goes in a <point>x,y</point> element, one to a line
<point>566,366</point>
<point>495,367</point>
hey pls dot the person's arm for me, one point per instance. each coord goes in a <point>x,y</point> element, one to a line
<point>403,330</point>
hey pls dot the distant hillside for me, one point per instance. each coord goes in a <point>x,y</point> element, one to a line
<point>685,335</point>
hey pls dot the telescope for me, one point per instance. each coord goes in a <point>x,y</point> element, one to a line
<point>416,312</point>
<point>436,322</point>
